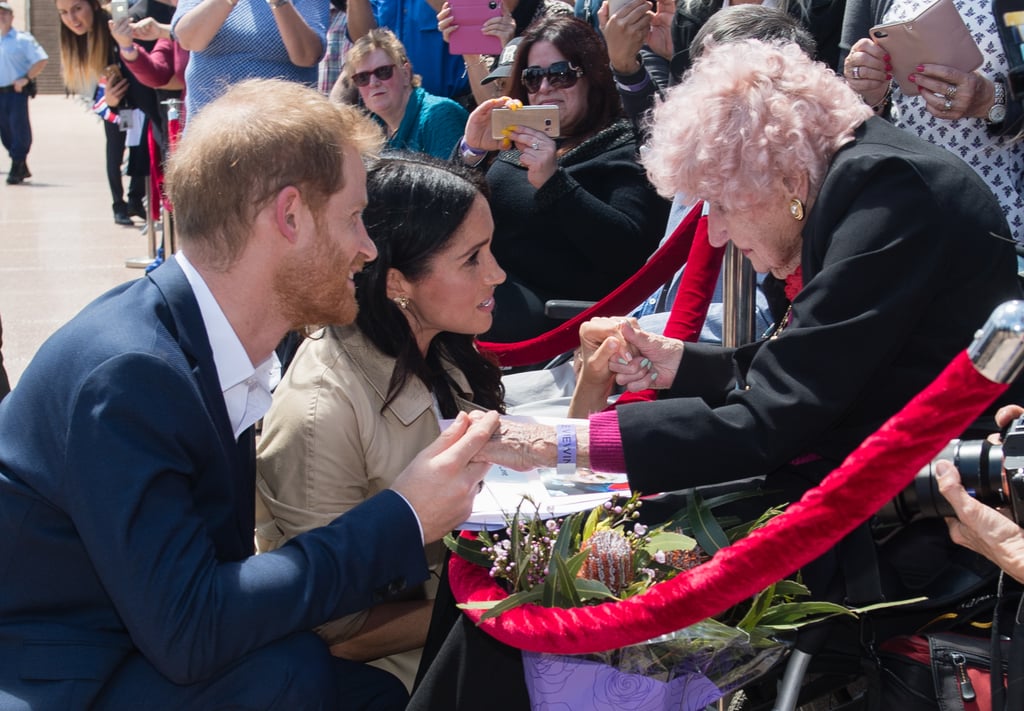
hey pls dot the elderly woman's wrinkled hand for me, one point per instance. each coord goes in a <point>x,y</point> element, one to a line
<point>868,71</point>
<point>520,446</point>
<point>983,529</point>
<point>949,93</point>
<point>654,366</point>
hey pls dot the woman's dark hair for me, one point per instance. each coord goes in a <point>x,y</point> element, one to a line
<point>416,204</point>
<point>580,44</point>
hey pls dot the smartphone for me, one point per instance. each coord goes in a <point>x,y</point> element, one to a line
<point>470,16</point>
<point>542,118</point>
<point>937,35</point>
<point>118,9</point>
<point>615,5</point>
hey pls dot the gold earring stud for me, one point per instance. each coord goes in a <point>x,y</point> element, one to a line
<point>402,301</point>
<point>796,209</point>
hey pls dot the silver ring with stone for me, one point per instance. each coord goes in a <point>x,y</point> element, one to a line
<point>534,145</point>
<point>855,72</point>
<point>947,105</point>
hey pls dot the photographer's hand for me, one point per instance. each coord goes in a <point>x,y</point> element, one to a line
<point>983,529</point>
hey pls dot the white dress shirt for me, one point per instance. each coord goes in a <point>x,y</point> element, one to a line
<point>246,388</point>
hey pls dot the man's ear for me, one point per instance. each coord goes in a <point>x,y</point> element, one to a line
<point>397,284</point>
<point>289,211</point>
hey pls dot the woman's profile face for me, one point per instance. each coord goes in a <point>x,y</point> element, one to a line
<point>767,234</point>
<point>77,15</point>
<point>571,101</point>
<point>457,293</point>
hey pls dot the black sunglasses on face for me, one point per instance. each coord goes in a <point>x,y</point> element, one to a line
<point>561,75</point>
<point>383,73</point>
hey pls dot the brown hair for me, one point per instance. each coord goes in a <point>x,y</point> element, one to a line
<point>244,147</point>
<point>579,43</point>
<point>84,57</point>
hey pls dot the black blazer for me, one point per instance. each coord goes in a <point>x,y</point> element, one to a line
<point>906,253</point>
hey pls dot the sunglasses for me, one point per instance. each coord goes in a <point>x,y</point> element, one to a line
<point>382,73</point>
<point>561,75</point>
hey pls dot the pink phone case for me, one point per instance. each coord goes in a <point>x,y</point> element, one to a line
<point>470,15</point>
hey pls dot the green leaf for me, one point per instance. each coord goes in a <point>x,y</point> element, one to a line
<point>789,614</point>
<point>512,601</point>
<point>758,607</point>
<point>566,534</point>
<point>593,590</point>
<point>790,588</point>
<point>469,549</point>
<point>591,524</point>
<point>706,529</point>
<point>565,584</point>
<point>669,541</point>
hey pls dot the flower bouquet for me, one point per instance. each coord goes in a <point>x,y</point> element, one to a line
<point>606,555</point>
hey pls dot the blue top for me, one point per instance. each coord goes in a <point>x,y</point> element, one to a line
<point>248,45</point>
<point>414,22</point>
<point>431,124</point>
<point>18,52</point>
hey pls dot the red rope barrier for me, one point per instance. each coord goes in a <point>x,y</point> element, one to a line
<point>872,475</point>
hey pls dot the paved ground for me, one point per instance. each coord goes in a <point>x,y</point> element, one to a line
<point>59,246</point>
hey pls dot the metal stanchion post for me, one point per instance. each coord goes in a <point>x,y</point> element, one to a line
<point>143,262</point>
<point>739,284</point>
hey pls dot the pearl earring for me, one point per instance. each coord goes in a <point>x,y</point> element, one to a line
<point>402,301</point>
<point>796,209</point>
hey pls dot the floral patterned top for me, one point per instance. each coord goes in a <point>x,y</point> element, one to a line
<point>997,159</point>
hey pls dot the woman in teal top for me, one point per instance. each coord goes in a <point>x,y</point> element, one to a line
<point>414,120</point>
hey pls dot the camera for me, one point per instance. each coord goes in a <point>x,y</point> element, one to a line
<point>991,473</point>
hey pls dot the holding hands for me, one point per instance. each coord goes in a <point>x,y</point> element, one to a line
<point>442,481</point>
<point>617,350</point>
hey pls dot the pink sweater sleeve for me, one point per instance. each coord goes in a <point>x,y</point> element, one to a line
<point>606,453</point>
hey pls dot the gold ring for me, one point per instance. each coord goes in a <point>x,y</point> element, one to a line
<point>951,91</point>
<point>947,105</point>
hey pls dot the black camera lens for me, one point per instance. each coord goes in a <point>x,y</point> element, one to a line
<point>981,470</point>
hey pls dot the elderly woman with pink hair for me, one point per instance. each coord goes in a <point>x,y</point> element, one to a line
<point>893,252</point>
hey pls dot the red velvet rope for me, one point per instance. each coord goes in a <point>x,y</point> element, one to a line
<point>872,475</point>
<point>565,337</point>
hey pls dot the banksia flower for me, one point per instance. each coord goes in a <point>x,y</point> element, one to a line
<point>610,560</point>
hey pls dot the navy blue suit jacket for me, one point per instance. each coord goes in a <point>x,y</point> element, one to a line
<point>126,513</point>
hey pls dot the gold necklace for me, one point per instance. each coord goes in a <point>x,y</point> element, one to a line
<point>783,322</point>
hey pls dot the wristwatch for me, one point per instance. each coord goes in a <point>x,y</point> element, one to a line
<point>998,111</point>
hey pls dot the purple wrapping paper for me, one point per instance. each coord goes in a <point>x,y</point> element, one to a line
<point>560,683</point>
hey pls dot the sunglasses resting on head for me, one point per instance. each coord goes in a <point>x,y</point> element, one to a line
<point>560,75</point>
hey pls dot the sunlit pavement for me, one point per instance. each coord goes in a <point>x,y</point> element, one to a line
<point>59,246</point>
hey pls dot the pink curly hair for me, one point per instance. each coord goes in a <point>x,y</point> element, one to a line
<point>747,114</point>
